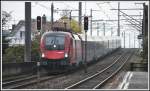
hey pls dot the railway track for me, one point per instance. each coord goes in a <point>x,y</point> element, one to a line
<point>9,84</point>
<point>98,79</point>
<point>7,79</point>
<point>23,82</point>
<point>61,82</point>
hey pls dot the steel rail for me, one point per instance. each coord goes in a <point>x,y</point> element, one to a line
<point>12,78</point>
<point>101,83</point>
<point>28,81</point>
<point>18,80</point>
<point>88,78</point>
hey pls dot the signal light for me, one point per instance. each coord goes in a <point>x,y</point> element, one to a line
<point>38,22</point>
<point>86,23</point>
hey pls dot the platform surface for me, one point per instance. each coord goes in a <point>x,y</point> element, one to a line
<point>135,80</point>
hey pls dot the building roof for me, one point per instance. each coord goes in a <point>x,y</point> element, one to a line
<point>58,24</point>
<point>17,27</point>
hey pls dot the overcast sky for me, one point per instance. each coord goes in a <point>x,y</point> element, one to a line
<point>43,7</point>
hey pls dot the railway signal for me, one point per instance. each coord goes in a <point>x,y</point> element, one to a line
<point>86,29</point>
<point>38,22</point>
<point>85,23</point>
<point>140,36</point>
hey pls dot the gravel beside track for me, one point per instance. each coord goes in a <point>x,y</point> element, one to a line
<point>73,77</point>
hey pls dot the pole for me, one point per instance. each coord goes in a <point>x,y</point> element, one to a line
<point>104,28</point>
<point>111,31</point>
<point>139,43</point>
<point>27,32</point>
<point>97,29</point>
<point>85,64</point>
<point>134,39</point>
<point>80,15</point>
<point>1,36</point>
<point>91,22</point>
<point>38,74</point>
<point>129,39</point>
<point>139,31</point>
<point>65,25</point>
<point>52,11</point>
<point>124,39</point>
<point>70,19</point>
<point>118,18</point>
<point>144,31</point>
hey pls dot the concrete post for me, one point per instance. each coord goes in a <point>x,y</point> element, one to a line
<point>104,28</point>
<point>124,39</point>
<point>52,11</point>
<point>27,32</point>
<point>80,15</point>
<point>91,22</point>
<point>118,18</point>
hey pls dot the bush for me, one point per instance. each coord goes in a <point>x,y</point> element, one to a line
<point>16,53</point>
<point>4,44</point>
<point>35,52</point>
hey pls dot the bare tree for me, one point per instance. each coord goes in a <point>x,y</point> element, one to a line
<point>65,13</point>
<point>6,17</point>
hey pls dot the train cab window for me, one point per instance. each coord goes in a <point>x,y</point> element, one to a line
<point>54,42</point>
<point>49,40</point>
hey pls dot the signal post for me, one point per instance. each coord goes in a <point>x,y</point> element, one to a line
<point>38,62</point>
<point>86,29</point>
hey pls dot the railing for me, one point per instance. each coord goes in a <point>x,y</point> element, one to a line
<point>139,66</point>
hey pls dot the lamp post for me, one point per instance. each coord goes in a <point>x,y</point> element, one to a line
<point>70,19</point>
<point>65,26</point>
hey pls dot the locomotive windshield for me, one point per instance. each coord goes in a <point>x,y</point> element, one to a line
<point>54,42</point>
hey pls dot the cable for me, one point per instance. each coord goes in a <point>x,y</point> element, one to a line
<point>68,5</point>
<point>103,11</point>
<point>36,3</point>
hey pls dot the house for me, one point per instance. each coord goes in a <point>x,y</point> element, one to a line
<point>17,36</point>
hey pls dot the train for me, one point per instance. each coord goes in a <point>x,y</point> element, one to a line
<point>65,50</point>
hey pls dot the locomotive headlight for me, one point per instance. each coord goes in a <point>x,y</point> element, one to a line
<point>43,55</point>
<point>66,55</point>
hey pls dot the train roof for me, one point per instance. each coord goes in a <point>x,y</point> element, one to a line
<point>56,33</point>
<point>75,36</point>
<point>82,36</point>
<point>99,38</point>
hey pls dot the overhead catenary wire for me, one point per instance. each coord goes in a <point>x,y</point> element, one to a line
<point>103,11</point>
<point>43,6</point>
